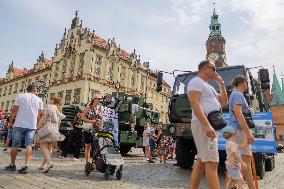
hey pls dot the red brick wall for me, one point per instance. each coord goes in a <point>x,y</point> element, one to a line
<point>278,119</point>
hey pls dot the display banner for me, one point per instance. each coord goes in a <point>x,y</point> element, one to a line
<point>111,122</point>
<point>263,133</point>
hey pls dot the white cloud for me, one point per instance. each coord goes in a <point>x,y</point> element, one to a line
<point>188,12</point>
<point>262,41</point>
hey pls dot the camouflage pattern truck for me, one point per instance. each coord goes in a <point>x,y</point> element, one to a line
<point>124,105</point>
<point>180,113</point>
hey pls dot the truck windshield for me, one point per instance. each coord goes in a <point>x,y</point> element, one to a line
<point>227,73</point>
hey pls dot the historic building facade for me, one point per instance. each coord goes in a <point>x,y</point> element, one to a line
<point>215,44</point>
<point>85,64</point>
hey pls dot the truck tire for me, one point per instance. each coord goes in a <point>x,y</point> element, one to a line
<point>270,164</point>
<point>124,149</point>
<point>259,160</point>
<point>185,152</point>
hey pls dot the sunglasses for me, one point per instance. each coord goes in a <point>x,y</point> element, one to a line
<point>213,68</point>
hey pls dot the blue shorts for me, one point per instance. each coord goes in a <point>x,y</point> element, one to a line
<point>9,134</point>
<point>18,133</point>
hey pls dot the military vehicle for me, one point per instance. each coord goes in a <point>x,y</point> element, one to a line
<point>180,113</point>
<point>124,105</point>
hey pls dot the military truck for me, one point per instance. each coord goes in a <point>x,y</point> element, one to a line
<point>180,113</point>
<point>124,105</point>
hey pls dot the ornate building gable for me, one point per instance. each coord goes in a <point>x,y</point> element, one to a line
<point>215,44</point>
<point>42,63</point>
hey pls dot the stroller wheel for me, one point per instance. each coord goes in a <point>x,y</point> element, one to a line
<point>118,174</point>
<point>107,175</point>
<point>112,170</point>
<point>88,168</point>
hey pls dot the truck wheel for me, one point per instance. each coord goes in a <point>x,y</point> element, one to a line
<point>185,152</point>
<point>259,165</point>
<point>270,164</point>
<point>124,149</point>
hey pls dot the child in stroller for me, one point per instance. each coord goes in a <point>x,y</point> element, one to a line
<point>106,155</point>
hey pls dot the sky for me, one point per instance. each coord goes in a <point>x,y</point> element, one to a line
<point>170,34</point>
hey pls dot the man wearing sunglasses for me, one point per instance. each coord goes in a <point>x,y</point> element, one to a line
<point>203,99</point>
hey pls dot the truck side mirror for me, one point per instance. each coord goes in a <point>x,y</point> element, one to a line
<point>159,81</point>
<point>264,75</point>
<point>264,79</point>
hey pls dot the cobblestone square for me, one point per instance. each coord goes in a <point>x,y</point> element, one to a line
<point>137,174</point>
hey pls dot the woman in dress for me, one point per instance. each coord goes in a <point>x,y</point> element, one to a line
<point>52,117</point>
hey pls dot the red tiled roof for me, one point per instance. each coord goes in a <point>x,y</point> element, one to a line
<point>123,55</point>
<point>48,62</point>
<point>18,71</point>
<point>99,42</point>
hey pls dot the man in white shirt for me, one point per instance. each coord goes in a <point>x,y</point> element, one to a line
<point>203,99</point>
<point>26,111</point>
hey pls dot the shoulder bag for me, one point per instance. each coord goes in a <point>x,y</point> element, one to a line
<point>216,118</point>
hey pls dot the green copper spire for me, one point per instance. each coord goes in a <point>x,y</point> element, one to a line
<point>215,26</point>
<point>277,92</point>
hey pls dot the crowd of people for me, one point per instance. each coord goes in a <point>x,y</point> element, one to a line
<point>203,99</point>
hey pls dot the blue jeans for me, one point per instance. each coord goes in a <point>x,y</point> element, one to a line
<point>9,134</point>
<point>18,133</point>
<point>152,144</point>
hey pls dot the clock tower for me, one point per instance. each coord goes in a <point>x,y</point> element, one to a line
<point>215,44</point>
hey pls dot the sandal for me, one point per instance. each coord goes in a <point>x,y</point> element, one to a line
<point>41,168</point>
<point>48,167</point>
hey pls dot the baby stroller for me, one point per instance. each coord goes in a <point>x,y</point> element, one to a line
<point>106,155</point>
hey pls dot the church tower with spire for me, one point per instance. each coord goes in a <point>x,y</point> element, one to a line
<point>215,44</point>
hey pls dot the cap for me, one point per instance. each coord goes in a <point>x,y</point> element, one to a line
<point>97,96</point>
<point>228,129</point>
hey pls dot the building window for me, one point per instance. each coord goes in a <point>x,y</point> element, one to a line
<point>29,82</point>
<point>60,94</point>
<point>44,79</point>
<point>56,69</point>
<point>5,90</point>
<point>110,68</point>
<point>68,97</point>
<point>10,89</point>
<point>7,105</point>
<point>2,105</point>
<point>16,88</point>
<point>64,69</point>
<point>143,80</point>
<point>36,80</point>
<point>81,64</point>
<point>98,65</point>
<point>22,86</point>
<point>77,94</point>
<point>72,65</point>
<point>132,80</point>
<point>51,95</point>
<point>123,75</point>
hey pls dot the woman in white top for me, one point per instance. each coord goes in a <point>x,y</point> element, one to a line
<point>51,118</point>
<point>146,139</point>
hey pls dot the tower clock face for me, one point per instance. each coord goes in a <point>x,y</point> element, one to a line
<point>213,57</point>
